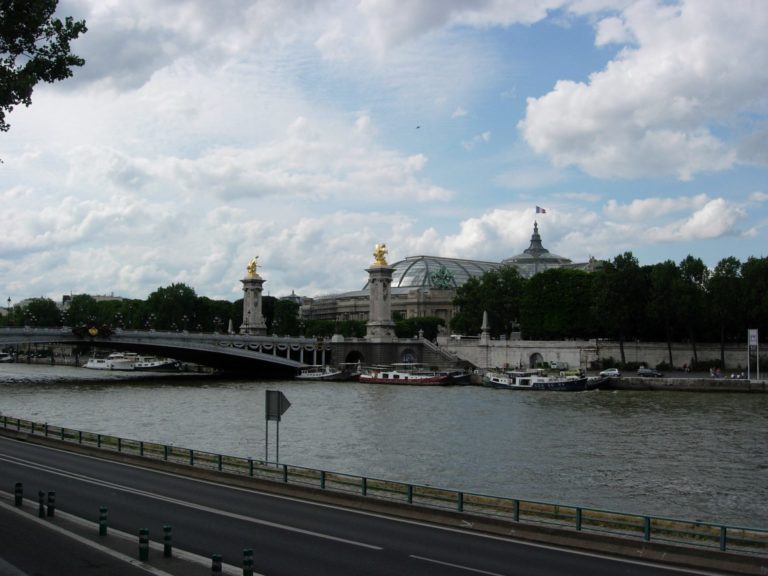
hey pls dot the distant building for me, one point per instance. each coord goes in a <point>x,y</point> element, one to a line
<point>426,285</point>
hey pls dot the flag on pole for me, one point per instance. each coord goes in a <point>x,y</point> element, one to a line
<point>540,210</point>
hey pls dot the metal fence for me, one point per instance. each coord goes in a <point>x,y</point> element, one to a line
<point>734,539</point>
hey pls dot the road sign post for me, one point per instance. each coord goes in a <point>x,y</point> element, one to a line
<point>275,405</point>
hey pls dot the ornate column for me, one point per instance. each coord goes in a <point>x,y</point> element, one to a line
<point>253,320</point>
<point>380,327</point>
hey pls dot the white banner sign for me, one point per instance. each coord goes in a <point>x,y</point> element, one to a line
<point>752,337</point>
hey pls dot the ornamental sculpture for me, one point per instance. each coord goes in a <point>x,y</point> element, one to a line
<point>380,255</point>
<point>252,266</point>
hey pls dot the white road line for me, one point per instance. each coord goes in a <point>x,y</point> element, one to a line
<point>459,566</point>
<point>87,542</point>
<point>185,503</point>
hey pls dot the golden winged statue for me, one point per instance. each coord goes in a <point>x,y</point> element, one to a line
<point>252,266</point>
<point>380,255</point>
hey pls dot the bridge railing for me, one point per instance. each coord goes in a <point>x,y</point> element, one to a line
<point>734,539</point>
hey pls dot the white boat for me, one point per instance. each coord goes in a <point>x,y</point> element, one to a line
<point>321,372</point>
<point>535,380</point>
<point>115,361</point>
<point>403,376</point>
<point>131,361</point>
<point>155,364</point>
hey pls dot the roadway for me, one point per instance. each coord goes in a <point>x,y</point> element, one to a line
<point>288,536</point>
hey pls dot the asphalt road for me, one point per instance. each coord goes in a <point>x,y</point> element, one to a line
<point>288,536</point>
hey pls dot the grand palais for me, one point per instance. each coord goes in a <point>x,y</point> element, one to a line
<point>426,285</point>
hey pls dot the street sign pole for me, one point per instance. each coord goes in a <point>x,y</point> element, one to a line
<point>275,406</point>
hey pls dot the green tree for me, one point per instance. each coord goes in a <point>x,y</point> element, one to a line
<point>498,292</point>
<point>724,299</point>
<point>172,308</point>
<point>754,273</point>
<point>34,47</point>
<point>40,312</point>
<point>621,297</point>
<point>695,276</point>
<point>663,301</point>
<point>555,305</point>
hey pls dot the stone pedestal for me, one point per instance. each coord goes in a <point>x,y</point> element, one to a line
<point>253,320</point>
<point>380,327</point>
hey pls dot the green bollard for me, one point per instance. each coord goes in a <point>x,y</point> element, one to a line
<point>216,564</point>
<point>18,494</point>
<point>102,520</point>
<point>41,501</point>
<point>144,544</point>
<point>167,545</point>
<point>51,504</point>
<point>247,562</point>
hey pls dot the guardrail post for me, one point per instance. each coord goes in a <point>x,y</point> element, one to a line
<point>410,493</point>
<point>285,473</point>
<point>18,494</point>
<point>247,562</point>
<point>364,485</point>
<point>62,433</point>
<point>41,504</point>
<point>322,479</point>
<point>102,520</point>
<point>33,428</point>
<point>647,528</point>
<point>215,564</point>
<point>141,448</point>
<point>460,501</point>
<point>79,436</point>
<point>723,538</point>
<point>167,544</point>
<point>191,457</point>
<point>51,504</point>
<point>250,466</point>
<point>119,444</point>
<point>46,429</point>
<point>578,518</point>
<point>516,510</point>
<point>98,440</point>
<point>219,462</point>
<point>165,452</point>
<point>144,544</point>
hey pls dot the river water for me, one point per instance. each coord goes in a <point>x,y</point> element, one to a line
<point>687,455</point>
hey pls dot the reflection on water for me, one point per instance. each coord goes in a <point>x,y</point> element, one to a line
<point>689,455</point>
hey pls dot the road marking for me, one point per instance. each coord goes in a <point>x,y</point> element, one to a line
<point>87,542</point>
<point>185,503</point>
<point>459,566</point>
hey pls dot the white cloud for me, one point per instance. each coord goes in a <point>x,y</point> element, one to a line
<point>666,106</point>
<point>715,219</point>
<point>459,112</point>
<point>650,208</point>
<point>476,140</point>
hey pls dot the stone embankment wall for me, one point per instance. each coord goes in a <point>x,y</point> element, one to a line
<point>583,353</point>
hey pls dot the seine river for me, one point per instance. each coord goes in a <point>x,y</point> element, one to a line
<point>674,454</point>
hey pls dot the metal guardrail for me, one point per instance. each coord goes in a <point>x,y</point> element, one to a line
<point>734,539</point>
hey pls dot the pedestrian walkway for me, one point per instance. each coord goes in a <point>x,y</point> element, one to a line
<point>65,544</point>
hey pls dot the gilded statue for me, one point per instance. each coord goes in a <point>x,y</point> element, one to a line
<point>380,255</point>
<point>252,266</point>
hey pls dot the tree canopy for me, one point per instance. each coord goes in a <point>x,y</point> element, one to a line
<point>34,47</point>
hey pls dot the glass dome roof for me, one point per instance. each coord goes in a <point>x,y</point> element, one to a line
<point>436,272</point>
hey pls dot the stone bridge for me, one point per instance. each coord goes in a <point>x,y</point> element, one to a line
<point>262,356</point>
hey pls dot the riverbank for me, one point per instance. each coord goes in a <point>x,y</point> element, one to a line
<point>686,384</point>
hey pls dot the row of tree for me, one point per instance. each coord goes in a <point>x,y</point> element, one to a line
<point>178,308</point>
<point>667,302</point>
<point>664,302</point>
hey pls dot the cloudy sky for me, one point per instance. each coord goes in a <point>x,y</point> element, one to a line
<point>200,134</point>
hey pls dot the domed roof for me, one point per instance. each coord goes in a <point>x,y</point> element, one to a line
<point>436,272</point>
<point>535,258</point>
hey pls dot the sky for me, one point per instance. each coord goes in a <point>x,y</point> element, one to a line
<point>201,134</point>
